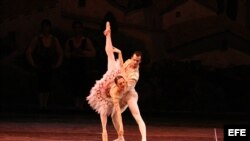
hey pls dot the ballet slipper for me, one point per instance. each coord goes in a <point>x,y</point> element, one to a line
<point>120,139</point>
<point>106,32</point>
<point>108,29</point>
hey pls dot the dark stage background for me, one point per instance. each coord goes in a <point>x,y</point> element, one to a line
<point>196,55</point>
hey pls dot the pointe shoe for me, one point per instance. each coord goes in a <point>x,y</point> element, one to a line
<point>107,24</point>
<point>107,30</point>
<point>120,139</point>
<point>104,136</point>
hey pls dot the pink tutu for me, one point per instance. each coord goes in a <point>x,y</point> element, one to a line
<point>98,98</point>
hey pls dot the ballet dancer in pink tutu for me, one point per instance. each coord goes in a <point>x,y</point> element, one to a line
<point>105,95</point>
<point>108,97</point>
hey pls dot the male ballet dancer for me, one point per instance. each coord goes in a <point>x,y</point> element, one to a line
<point>130,71</point>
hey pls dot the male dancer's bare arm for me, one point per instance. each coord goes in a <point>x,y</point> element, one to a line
<point>132,80</point>
<point>131,77</point>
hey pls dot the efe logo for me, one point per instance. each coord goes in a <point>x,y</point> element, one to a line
<point>236,132</point>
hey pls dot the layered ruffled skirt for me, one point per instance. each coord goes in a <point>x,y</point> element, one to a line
<point>99,98</point>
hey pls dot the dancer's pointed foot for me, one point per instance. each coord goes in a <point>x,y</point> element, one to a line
<point>120,139</point>
<point>108,29</point>
<point>104,136</point>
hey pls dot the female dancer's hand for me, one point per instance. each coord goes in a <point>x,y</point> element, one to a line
<point>116,50</point>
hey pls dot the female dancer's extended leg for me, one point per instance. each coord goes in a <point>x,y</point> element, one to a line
<point>109,47</point>
<point>111,63</point>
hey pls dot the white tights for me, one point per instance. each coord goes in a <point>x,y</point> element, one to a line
<point>131,100</point>
<point>111,62</point>
<point>104,119</point>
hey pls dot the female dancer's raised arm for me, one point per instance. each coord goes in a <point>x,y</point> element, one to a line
<point>119,56</point>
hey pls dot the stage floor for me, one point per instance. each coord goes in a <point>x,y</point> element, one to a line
<point>88,128</point>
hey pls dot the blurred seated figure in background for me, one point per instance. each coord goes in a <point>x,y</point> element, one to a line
<point>45,55</point>
<point>80,53</point>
